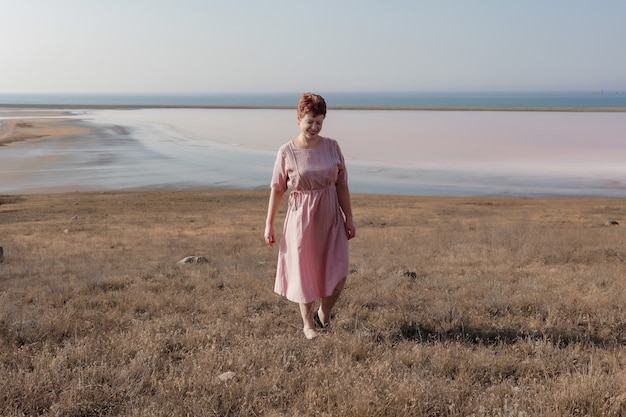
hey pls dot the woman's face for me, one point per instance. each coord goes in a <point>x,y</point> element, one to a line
<point>310,126</point>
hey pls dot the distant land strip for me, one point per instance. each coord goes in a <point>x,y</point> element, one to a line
<point>244,107</point>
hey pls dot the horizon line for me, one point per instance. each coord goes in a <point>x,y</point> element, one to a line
<point>391,91</point>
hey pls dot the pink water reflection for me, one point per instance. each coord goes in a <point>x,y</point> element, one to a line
<point>484,140</point>
<point>408,152</point>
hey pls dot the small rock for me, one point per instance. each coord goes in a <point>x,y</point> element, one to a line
<point>410,274</point>
<point>74,218</point>
<point>1,255</point>
<point>612,223</point>
<point>66,231</point>
<point>226,376</point>
<point>193,260</point>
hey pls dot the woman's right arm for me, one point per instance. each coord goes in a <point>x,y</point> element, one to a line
<point>276,197</point>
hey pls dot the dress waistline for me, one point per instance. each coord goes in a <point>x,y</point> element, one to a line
<point>311,191</point>
<point>296,195</point>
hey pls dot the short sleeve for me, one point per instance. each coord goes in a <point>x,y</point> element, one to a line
<point>280,176</point>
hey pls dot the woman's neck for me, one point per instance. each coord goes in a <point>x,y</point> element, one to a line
<point>307,143</point>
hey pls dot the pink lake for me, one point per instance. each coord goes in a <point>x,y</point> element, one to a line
<point>400,152</point>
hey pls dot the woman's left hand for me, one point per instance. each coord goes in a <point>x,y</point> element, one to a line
<point>350,229</point>
<point>269,235</point>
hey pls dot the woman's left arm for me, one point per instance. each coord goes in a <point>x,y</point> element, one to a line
<point>343,195</point>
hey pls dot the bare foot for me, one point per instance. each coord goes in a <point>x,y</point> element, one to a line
<point>310,333</point>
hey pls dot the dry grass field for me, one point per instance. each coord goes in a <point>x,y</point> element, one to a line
<point>454,307</point>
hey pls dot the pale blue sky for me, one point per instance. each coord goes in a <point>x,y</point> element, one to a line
<point>205,46</point>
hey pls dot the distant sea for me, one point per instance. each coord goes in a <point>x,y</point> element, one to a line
<point>538,99</point>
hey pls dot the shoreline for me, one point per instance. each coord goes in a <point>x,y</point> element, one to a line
<point>253,107</point>
<point>264,193</point>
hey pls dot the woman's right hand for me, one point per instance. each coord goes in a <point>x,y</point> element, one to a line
<point>276,196</point>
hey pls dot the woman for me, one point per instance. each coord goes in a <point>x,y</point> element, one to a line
<point>313,254</point>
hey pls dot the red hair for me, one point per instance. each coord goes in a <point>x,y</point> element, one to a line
<point>311,103</point>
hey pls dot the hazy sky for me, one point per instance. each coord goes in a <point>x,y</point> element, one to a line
<point>204,46</point>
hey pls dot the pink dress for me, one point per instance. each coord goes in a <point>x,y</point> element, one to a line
<point>313,253</point>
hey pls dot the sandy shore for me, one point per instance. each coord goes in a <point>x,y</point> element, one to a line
<point>31,125</point>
